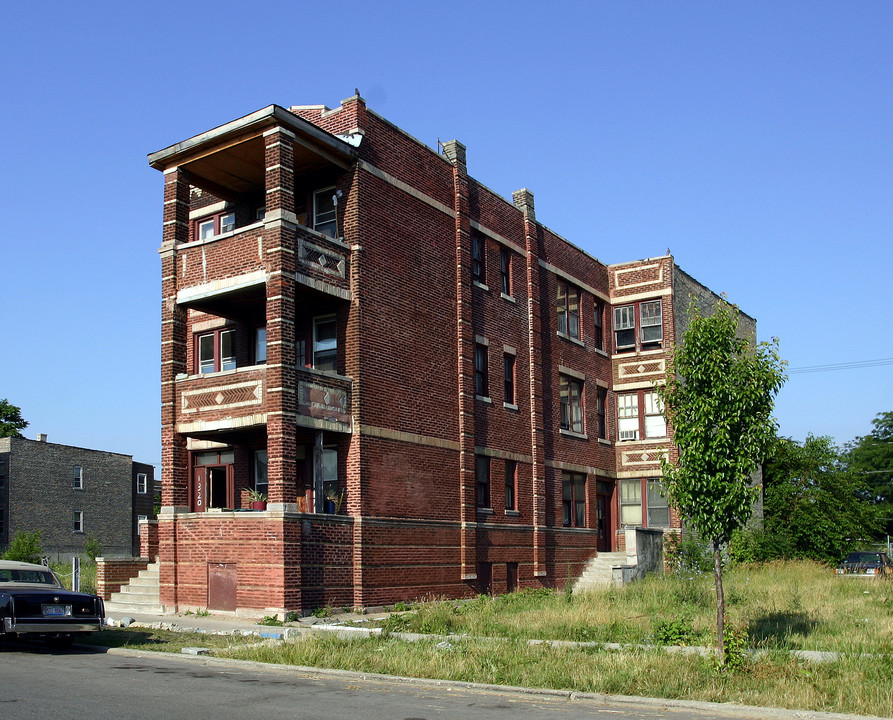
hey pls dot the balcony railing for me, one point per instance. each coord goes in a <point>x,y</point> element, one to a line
<point>323,400</point>
<point>323,262</point>
<point>236,399</point>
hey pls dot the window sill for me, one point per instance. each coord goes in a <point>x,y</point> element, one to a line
<point>574,340</point>
<point>513,513</point>
<point>483,398</point>
<point>509,298</point>
<point>600,351</point>
<point>485,511</point>
<point>481,285</point>
<point>510,406</point>
<point>604,441</point>
<point>571,433</point>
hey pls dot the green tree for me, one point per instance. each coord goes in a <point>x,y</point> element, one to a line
<point>25,547</point>
<point>11,421</point>
<point>718,398</point>
<point>815,505</point>
<point>871,457</point>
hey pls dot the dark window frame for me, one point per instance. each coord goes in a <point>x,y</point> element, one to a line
<point>508,366</point>
<point>573,499</point>
<point>572,416</point>
<point>481,370</point>
<point>511,485</point>
<point>219,362</point>
<point>505,271</point>
<point>629,322</point>
<point>221,223</point>
<point>569,299</point>
<point>479,258</point>
<point>482,481</point>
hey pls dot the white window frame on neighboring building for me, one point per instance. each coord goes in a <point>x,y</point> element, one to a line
<point>77,521</point>
<point>142,483</point>
<point>78,478</point>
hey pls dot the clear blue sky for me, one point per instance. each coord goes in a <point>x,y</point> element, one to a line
<point>753,139</point>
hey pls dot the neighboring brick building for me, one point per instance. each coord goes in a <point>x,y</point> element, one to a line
<point>440,395</point>
<point>70,494</point>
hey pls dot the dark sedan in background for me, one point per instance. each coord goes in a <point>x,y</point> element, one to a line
<point>34,604</point>
<point>866,564</point>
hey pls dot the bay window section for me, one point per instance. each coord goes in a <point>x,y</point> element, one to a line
<point>658,508</point>
<point>624,328</point>
<point>655,424</point>
<point>651,322</point>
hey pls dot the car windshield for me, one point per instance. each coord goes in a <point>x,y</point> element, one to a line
<point>862,557</point>
<point>35,577</point>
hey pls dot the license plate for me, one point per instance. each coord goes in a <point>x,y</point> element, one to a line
<point>56,610</point>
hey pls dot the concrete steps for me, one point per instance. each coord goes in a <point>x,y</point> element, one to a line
<point>599,571</point>
<point>140,595</point>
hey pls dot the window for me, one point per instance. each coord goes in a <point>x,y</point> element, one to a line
<point>478,257</point>
<point>571,392</point>
<point>601,402</point>
<point>508,361</point>
<point>142,483</point>
<point>651,322</point>
<point>4,471</point>
<point>217,351</point>
<point>325,343</point>
<point>651,331</point>
<point>658,509</point>
<point>330,478</point>
<point>481,384</point>
<point>511,473</point>
<point>77,521</point>
<point>505,271</point>
<point>631,502</point>
<point>482,479</point>
<point>324,219</point>
<point>261,483</point>
<point>78,478</point>
<point>568,310</point>
<point>655,424</point>
<point>631,424</point>
<point>573,499</point>
<point>628,416</point>
<point>599,324</point>
<point>260,346</point>
<point>214,225</point>
<point>140,519</point>
<point>624,328</point>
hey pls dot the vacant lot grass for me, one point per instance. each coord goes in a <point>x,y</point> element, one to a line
<point>790,606</point>
<point>780,607</point>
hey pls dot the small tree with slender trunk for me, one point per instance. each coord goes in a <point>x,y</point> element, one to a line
<point>718,399</point>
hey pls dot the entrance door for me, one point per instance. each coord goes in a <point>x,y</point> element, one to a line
<point>603,523</point>
<point>212,487</point>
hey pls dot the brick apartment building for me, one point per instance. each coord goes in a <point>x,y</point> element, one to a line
<point>71,493</point>
<point>439,395</point>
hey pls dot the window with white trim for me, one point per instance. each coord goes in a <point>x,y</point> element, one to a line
<point>631,502</point>
<point>628,416</point>
<point>140,519</point>
<point>655,423</point>
<point>77,480</point>
<point>142,483</point>
<point>77,521</point>
<point>214,225</point>
<point>260,346</point>
<point>216,351</point>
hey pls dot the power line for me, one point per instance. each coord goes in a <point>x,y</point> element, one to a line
<point>841,366</point>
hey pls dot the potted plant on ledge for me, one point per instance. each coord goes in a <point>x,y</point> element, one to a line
<point>258,500</point>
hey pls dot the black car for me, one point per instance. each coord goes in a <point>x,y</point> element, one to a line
<point>866,564</point>
<point>33,603</point>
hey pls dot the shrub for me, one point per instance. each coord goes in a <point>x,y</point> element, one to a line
<point>688,554</point>
<point>25,547</point>
<point>92,548</point>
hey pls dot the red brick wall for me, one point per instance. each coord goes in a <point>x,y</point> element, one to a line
<point>112,573</point>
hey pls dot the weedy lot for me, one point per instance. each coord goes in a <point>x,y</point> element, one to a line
<point>775,608</point>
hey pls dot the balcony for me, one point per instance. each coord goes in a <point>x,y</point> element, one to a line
<point>323,263</point>
<point>235,400</point>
